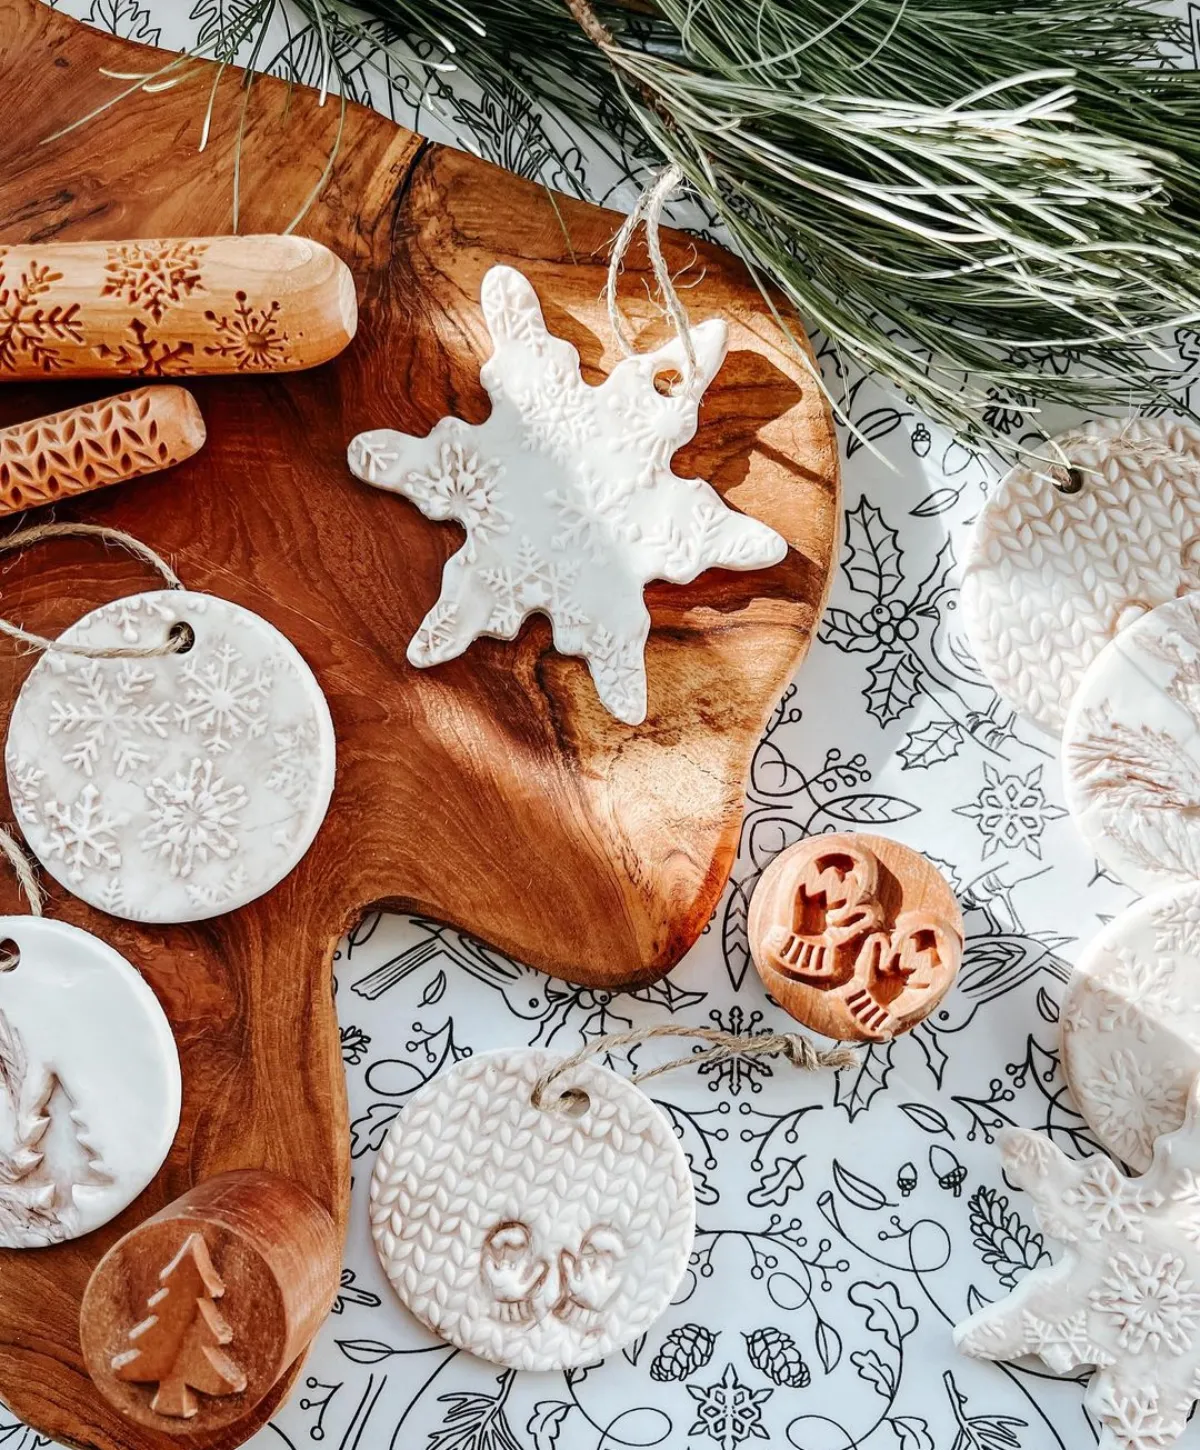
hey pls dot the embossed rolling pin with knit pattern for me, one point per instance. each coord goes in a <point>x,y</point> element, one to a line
<point>172,307</point>
<point>97,444</point>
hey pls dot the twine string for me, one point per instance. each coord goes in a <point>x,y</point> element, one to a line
<point>648,211</point>
<point>175,641</point>
<point>29,884</point>
<point>800,1051</point>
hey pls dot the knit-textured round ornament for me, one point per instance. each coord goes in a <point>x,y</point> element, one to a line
<point>1066,553</point>
<point>1130,1023</point>
<point>538,1237</point>
<point>177,787</point>
<point>1131,750</point>
<point>89,1083</point>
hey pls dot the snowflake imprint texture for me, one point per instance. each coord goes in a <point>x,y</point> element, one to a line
<point>566,496</point>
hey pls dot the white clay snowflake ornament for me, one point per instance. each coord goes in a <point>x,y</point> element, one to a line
<point>1125,1296</point>
<point>567,496</point>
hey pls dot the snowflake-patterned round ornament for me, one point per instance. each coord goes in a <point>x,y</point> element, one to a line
<point>1131,749</point>
<point>177,787</point>
<point>89,1083</point>
<point>567,496</point>
<point>1071,549</point>
<point>1125,1296</point>
<point>537,1236</point>
<point>1130,1023</point>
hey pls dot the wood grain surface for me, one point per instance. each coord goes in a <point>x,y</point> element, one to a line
<point>493,792</point>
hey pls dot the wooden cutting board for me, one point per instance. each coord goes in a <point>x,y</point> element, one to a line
<point>494,792</point>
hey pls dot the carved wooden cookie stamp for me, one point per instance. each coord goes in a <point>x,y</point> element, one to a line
<point>856,936</point>
<point>181,1347</point>
<point>567,496</point>
<point>193,1316</point>
<point>1130,1023</point>
<point>1066,554</point>
<point>1125,1296</point>
<point>89,1084</point>
<point>96,444</point>
<point>552,1235</point>
<point>1131,750</point>
<point>175,788</point>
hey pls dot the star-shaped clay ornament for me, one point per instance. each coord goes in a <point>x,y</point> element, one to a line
<point>1125,1296</point>
<point>567,496</point>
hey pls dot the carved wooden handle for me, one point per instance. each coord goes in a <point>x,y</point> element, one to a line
<point>96,444</point>
<point>176,306</point>
<point>191,1318</point>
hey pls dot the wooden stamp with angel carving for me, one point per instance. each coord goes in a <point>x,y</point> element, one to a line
<point>855,936</point>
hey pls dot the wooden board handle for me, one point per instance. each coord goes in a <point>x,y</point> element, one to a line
<point>97,444</point>
<point>172,306</point>
<point>191,1318</point>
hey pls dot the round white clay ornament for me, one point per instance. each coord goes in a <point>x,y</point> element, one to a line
<point>89,1084</point>
<point>1130,1023</point>
<point>173,788</point>
<point>1066,554</point>
<point>1131,750</point>
<point>536,1237</point>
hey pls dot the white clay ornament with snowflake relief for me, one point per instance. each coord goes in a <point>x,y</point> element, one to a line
<point>1130,1023</point>
<point>178,787</point>
<point>1131,749</point>
<point>567,496</point>
<point>1125,1296</point>
<point>538,1237</point>
<point>89,1084</point>
<point>1067,553</point>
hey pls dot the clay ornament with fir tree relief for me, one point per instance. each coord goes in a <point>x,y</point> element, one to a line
<point>1124,1297</point>
<point>89,1084</point>
<point>1131,749</point>
<point>567,496</point>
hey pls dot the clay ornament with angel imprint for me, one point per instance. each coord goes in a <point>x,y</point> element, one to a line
<point>855,936</point>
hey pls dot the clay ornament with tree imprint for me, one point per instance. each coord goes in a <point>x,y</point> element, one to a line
<point>179,1346</point>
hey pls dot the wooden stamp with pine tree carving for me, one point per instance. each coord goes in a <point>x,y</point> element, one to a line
<point>180,1346</point>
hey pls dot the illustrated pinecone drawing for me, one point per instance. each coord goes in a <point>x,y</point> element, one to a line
<point>683,1352</point>
<point>776,1355</point>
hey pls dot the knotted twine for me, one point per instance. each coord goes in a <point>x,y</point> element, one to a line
<point>800,1051</point>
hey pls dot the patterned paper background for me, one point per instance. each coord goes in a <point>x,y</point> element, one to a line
<point>845,1222</point>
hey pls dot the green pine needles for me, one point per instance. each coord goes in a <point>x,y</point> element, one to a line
<point>960,194</point>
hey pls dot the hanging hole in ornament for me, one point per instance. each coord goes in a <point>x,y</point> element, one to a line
<point>1067,480</point>
<point>1130,613</point>
<point>668,382</point>
<point>10,954</point>
<point>574,1102</point>
<point>182,636</point>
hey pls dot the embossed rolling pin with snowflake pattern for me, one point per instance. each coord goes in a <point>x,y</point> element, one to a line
<point>172,307</point>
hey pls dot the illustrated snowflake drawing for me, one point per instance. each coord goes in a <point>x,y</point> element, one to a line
<point>728,1411</point>
<point>567,496</point>
<point>1130,1100</point>
<point>109,714</point>
<point>82,834</point>
<point>1011,811</point>
<point>192,817</point>
<point>29,330</point>
<point>251,337</point>
<point>223,698</point>
<point>153,275</point>
<point>1125,1296</point>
